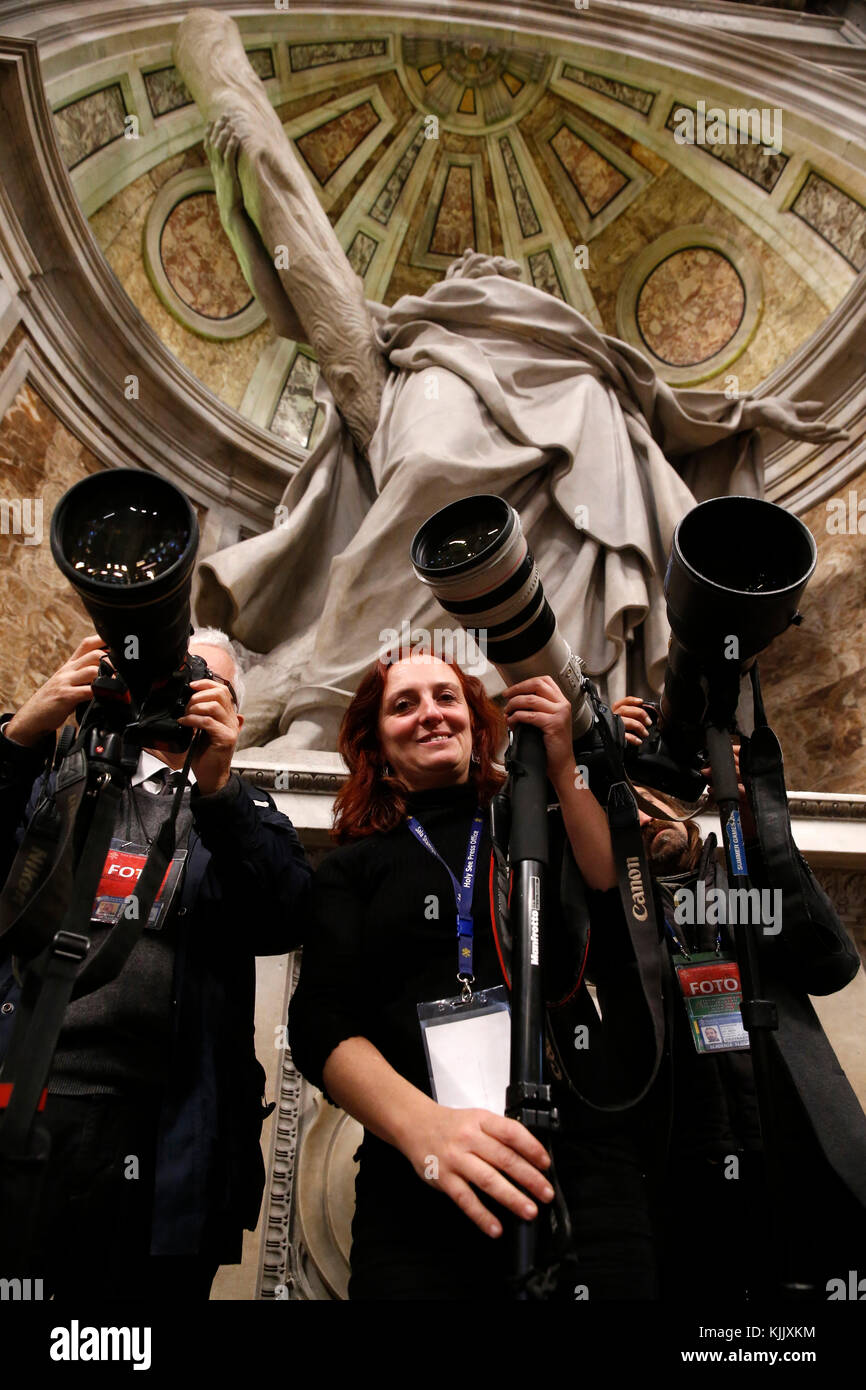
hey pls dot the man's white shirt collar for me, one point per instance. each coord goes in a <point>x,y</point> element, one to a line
<point>149,766</point>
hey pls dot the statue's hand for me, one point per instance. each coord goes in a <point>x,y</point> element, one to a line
<point>222,144</point>
<point>798,418</point>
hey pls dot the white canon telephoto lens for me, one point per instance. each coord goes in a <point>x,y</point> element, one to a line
<point>474,556</point>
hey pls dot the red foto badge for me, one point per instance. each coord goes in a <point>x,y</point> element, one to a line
<point>712,980</point>
<point>121,872</point>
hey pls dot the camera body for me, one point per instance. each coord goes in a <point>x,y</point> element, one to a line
<point>151,722</point>
<point>651,764</point>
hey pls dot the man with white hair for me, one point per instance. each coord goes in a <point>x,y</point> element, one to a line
<point>154,1103</point>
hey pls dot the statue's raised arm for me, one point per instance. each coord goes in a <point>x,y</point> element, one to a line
<point>281,235</point>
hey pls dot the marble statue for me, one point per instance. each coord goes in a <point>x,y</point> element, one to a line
<point>483,384</point>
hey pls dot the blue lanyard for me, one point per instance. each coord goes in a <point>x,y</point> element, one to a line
<point>462,890</point>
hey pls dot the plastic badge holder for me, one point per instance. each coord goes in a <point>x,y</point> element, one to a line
<point>468,1048</point>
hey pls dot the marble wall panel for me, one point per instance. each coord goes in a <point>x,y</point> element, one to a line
<point>41,620</point>
<point>11,343</point>
<point>295,414</point>
<point>225,368</point>
<point>262,62</point>
<point>756,161</point>
<point>314,55</point>
<point>814,676</point>
<point>549,104</point>
<point>543,272</point>
<point>407,278</point>
<point>89,124</point>
<point>594,177</point>
<point>835,216</point>
<point>791,313</point>
<point>397,101</point>
<point>635,97</point>
<point>361,252</point>
<point>526,214</point>
<point>329,144</point>
<point>690,306</point>
<point>386,200</point>
<point>454,228</point>
<point>166,91</point>
<point>199,261</point>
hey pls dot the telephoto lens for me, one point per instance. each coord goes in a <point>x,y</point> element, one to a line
<point>474,557</point>
<point>126,541</point>
<point>737,571</point>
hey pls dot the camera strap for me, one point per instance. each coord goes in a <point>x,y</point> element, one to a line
<point>56,975</point>
<point>39,888</point>
<point>637,897</point>
<point>106,964</point>
<point>647,1019</point>
<point>764,775</point>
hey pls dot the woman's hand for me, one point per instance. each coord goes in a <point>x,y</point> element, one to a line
<point>636,719</point>
<point>448,1148</point>
<point>540,702</point>
<point>456,1148</point>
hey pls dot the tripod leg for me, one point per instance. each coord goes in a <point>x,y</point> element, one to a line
<point>759,1014</point>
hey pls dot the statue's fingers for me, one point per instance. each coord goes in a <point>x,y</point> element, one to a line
<point>825,434</point>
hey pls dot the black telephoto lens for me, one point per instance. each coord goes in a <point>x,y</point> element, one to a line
<point>738,568</point>
<point>737,571</point>
<point>126,541</point>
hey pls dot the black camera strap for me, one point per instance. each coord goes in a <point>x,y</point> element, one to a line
<point>638,902</point>
<point>39,888</point>
<point>56,975</point>
<point>635,886</point>
<point>107,963</point>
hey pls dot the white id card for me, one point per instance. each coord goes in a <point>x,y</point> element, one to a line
<point>468,1047</point>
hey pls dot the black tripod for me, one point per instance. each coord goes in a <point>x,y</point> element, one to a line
<point>528,1098</point>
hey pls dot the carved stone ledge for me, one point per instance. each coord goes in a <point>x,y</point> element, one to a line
<point>274,1258</point>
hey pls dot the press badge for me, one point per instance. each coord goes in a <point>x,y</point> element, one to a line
<point>120,874</point>
<point>713,996</point>
<point>468,1049</point>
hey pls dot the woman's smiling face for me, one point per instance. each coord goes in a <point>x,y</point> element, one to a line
<point>425,726</point>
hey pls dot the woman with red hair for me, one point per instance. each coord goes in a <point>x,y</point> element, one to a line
<point>421,739</point>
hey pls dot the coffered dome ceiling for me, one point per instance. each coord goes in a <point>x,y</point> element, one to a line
<point>717,258</point>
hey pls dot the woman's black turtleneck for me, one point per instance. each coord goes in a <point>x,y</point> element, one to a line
<point>385,937</point>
